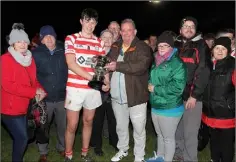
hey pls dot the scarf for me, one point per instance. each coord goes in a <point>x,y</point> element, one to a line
<point>160,59</point>
<point>24,60</point>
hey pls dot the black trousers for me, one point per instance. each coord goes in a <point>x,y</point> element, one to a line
<point>222,144</point>
<point>203,136</point>
<point>96,137</point>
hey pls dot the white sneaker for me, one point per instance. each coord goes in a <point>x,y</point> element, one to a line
<point>139,159</point>
<point>120,155</point>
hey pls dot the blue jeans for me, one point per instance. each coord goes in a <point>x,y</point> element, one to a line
<point>17,127</point>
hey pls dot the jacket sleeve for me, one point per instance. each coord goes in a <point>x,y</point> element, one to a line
<point>176,85</point>
<point>9,83</point>
<point>201,73</point>
<point>38,85</point>
<point>139,66</point>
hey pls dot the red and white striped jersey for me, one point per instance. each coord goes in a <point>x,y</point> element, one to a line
<point>84,49</point>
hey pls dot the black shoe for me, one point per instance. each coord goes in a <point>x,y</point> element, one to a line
<point>98,152</point>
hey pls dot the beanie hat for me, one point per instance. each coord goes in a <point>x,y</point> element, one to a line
<point>18,34</point>
<point>47,30</point>
<point>223,41</point>
<point>189,18</point>
<point>166,37</point>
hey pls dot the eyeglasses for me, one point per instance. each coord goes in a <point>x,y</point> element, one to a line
<point>187,26</point>
<point>163,47</point>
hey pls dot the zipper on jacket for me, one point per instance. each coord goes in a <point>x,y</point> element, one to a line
<point>214,64</point>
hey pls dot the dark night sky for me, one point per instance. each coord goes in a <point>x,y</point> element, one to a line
<point>149,18</point>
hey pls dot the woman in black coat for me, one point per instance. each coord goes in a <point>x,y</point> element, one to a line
<point>219,102</point>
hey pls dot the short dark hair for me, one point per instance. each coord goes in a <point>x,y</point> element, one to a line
<point>209,36</point>
<point>89,13</point>
<point>224,31</point>
<point>189,18</point>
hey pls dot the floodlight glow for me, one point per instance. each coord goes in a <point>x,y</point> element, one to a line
<point>154,1</point>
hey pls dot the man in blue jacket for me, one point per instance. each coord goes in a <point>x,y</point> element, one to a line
<point>52,74</point>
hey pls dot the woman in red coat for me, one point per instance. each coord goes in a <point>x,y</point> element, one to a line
<point>19,85</point>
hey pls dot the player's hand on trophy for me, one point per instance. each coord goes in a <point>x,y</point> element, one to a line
<point>111,66</point>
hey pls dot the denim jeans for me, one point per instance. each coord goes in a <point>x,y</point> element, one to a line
<point>17,127</point>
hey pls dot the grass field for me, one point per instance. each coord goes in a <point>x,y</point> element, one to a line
<point>32,155</point>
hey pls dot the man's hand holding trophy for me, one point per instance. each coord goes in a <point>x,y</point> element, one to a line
<point>100,79</point>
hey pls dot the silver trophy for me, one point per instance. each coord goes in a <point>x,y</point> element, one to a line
<point>100,71</point>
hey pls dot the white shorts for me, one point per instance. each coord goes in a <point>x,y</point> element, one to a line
<point>76,98</point>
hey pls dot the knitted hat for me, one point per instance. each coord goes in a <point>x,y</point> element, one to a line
<point>166,37</point>
<point>18,34</point>
<point>223,41</point>
<point>47,30</point>
<point>189,18</point>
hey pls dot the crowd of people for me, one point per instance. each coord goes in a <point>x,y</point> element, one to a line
<point>187,80</point>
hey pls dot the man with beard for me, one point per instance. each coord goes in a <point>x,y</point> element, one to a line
<point>193,51</point>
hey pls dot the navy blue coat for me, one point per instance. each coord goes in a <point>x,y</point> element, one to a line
<point>52,71</point>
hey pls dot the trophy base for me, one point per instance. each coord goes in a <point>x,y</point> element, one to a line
<point>97,85</point>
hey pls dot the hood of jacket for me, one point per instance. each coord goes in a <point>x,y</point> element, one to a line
<point>195,38</point>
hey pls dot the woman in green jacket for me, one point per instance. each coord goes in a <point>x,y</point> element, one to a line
<point>166,85</point>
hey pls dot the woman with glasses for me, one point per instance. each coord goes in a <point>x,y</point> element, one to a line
<point>166,85</point>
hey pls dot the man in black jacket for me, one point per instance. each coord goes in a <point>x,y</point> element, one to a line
<point>194,52</point>
<point>52,74</point>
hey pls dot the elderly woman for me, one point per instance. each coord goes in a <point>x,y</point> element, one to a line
<point>219,102</point>
<point>105,108</point>
<point>19,85</point>
<point>166,85</point>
